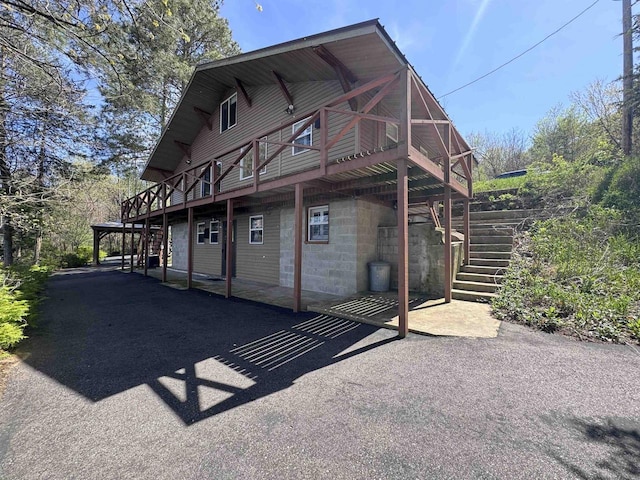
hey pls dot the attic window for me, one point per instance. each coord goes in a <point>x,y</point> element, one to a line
<point>229,113</point>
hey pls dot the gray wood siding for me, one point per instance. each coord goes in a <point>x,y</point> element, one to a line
<point>207,257</point>
<point>268,111</point>
<point>259,262</point>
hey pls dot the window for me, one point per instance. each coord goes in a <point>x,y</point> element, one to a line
<point>392,132</point>
<point>255,230</point>
<point>246,164</point>
<point>200,233</point>
<point>214,229</point>
<point>318,224</point>
<point>229,113</point>
<point>304,138</point>
<point>205,183</point>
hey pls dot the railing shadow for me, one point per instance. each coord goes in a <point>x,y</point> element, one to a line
<point>108,332</point>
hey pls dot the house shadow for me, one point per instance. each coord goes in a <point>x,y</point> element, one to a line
<point>622,446</point>
<point>103,333</point>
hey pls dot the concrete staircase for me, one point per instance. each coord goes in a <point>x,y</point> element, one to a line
<point>490,251</point>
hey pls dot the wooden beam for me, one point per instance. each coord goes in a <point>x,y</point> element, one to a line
<point>165,245</point>
<point>283,88</point>
<point>403,249</point>
<point>447,244</point>
<point>205,116</point>
<point>186,149</point>
<point>229,246</point>
<point>467,230</point>
<point>96,247</point>
<point>190,247</point>
<point>345,76</point>
<point>165,173</point>
<point>133,230</point>
<point>145,258</point>
<point>297,248</point>
<point>240,87</point>
<point>124,241</point>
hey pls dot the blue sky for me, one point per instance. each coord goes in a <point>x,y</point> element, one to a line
<point>451,42</point>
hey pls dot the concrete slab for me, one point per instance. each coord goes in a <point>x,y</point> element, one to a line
<point>426,316</point>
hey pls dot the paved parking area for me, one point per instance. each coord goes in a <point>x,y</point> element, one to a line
<point>129,379</point>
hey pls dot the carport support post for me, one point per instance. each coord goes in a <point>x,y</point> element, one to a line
<point>124,241</point>
<point>190,247</point>
<point>165,246</point>
<point>467,231</point>
<point>297,249</point>
<point>403,249</point>
<point>133,233</point>
<point>228,247</point>
<point>96,247</point>
<point>146,246</point>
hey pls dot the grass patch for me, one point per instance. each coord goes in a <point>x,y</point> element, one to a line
<point>579,274</point>
<point>496,184</point>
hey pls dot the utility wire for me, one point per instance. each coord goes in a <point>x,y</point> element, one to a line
<point>523,53</point>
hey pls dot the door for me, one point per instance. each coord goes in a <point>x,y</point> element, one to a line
<point>223,228</point>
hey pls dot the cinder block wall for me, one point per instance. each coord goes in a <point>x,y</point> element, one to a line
<point>370,217</point>
<point>179,245</point>
<point>328,268</point>
<point>426,257</point>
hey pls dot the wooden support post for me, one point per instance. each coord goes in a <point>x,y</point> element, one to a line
<point>467,230</point>
<point>145,258</point>
<point>447,244</point>
<point>165,246</point>
<point>228,251</point>
<point>324,139</point>
<point>190,247</point>
<point>133,233</point>
<point>96,247</point>
<point>124,241</point>
<point>297,249</point>
<point>403,249</point>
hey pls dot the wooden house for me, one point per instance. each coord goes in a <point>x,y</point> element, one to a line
<point>302,150</point>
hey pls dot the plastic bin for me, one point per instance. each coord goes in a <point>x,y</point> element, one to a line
<point>379,275</point>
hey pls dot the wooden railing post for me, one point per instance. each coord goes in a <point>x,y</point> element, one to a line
<point>256,162</point>
<point>324,139</point>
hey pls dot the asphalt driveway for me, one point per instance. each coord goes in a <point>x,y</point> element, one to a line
<point>127,379</point>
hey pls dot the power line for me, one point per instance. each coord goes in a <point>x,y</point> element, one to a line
<point>523,53</point>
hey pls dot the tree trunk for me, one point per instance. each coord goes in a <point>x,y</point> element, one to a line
<point>7,235</point>
<point>5,173</point>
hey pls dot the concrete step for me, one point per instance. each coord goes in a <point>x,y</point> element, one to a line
<point>479,277</point>
<point>506,230</point>
<point>497,238</point>
<point>489,262</point>
<point>472,296</point>
<point>475,286</point>
<point>503,214</point>
<point>491,247</point>
<point>483,269</point>
<point>503,255</point>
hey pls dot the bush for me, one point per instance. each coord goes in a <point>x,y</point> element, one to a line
<point>579,273</point>
<point>20,290</point>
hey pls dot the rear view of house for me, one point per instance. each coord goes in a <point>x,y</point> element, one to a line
<point>283,164</point>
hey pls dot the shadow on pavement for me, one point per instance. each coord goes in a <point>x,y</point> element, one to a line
<point>622,444</point>
<point>104,332</point>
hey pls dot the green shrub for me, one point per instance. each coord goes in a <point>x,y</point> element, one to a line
<point>579,273</point>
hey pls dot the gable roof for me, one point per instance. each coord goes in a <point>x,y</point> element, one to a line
<point>365,48</point>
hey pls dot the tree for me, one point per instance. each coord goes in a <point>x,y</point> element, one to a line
<point>499,153</point>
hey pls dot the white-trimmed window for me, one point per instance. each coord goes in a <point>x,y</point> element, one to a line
<point>200,233</point>
<point>318,224</point>
<point>305,137</point>
<point>205,183</point>
<point>214,230</point>
<point>392,132</point>
<point>256,229</point>
<point>246,164</point>
<point>229,113</point>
